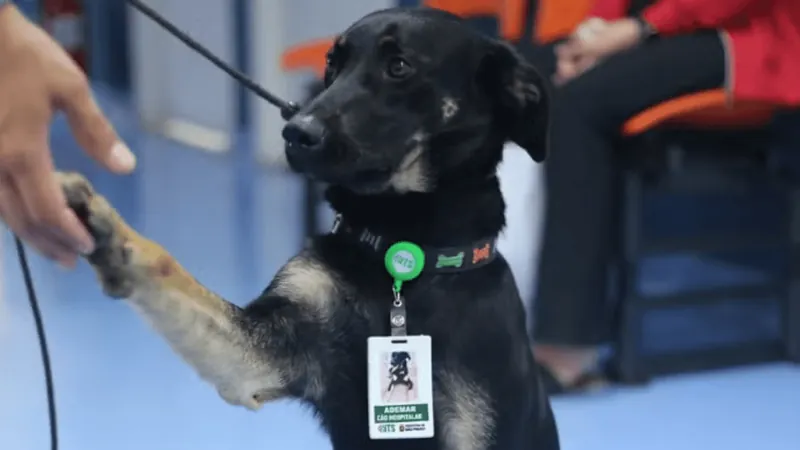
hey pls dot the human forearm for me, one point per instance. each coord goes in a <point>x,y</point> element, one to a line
<point>683,16</point>
<point>609,9</point>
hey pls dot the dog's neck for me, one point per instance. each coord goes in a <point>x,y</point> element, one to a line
<point>452,215</point>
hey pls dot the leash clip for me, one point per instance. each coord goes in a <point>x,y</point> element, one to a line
<point>289,110</point>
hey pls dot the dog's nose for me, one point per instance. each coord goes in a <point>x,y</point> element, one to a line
<point>305,132</point>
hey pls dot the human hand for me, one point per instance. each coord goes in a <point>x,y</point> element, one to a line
<point>571,63</point>
<point>37,78</point>
<point>594,42</point>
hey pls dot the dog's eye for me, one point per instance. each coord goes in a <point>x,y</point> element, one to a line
<point>398,68</point>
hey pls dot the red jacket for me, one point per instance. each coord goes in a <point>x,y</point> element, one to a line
<point>762,39</point>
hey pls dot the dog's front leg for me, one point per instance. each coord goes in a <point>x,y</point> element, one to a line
<point>214,336</point>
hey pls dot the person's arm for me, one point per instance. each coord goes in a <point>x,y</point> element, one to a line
<point>670,17</point>
<point>610,9</point>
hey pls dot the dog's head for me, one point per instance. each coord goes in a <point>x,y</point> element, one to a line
<point>413,98</point>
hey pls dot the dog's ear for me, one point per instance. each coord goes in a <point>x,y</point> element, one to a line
<point>521,97</point>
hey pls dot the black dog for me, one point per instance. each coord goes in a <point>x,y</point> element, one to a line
<point>398,371</point>
<point>407,133</point>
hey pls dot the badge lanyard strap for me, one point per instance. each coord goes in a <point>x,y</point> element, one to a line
<point>398,312</point>
<point>404,261</point>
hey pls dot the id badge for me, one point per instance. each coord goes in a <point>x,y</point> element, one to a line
<point>400,387</point>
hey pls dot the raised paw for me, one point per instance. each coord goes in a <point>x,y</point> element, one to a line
<point>111,257</point>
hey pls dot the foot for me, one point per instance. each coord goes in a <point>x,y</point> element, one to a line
<point>590,381</point>
<point>112,258</point>
<point>568,369</point>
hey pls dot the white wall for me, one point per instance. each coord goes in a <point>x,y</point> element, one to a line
<point>521,181</point>
<point>178,93</point>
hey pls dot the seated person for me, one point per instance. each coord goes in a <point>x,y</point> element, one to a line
<point>624,59</point>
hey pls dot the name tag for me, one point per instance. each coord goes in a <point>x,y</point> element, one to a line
<point>400,387</point>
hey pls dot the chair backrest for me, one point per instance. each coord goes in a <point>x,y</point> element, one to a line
<point>557,18</point>
<point>508,13</point>
<point>702,110</point>
<point>307,56</point>
<point>554,19</point>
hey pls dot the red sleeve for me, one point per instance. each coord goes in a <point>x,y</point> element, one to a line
<point>609,9</point>
<point>682,16</point>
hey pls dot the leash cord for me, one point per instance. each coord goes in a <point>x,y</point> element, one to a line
<point>37,319</point>
<point>288,109</point>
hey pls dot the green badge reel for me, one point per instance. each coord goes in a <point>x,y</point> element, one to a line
<point>404,261</point>
<point>410,419</point>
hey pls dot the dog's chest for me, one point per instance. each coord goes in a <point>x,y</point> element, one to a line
<point>453,311</point>
<point>462,408</point>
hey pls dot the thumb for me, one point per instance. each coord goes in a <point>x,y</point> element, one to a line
<point>95,133</point>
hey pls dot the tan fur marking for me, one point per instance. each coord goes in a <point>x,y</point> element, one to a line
<point>307,281</point>
<point>449,108</point>
<point>200,326</point>
<point>466,414</point>
<point>412,176</point>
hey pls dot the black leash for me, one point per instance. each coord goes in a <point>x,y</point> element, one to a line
<point>288,109</point>
<point>37,318</point>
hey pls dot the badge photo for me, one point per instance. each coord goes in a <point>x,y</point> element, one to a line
<point>400,387</point>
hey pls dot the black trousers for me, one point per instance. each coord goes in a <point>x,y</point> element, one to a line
<point>571,305</point>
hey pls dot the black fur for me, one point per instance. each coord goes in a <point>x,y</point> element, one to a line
<point>364,125</point>
<point>403,162</point>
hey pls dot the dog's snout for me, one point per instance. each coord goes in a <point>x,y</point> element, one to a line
<point>305,132</point>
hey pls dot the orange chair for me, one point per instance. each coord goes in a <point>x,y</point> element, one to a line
<point>704,110</point>
<point>307,56</point>
<point>310,55</point>
<point>558,18</point>
<point>507,12</point>
<point>709,110</point>
<point>554,18</point>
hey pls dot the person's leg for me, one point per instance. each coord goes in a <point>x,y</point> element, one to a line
<point>571,317</point>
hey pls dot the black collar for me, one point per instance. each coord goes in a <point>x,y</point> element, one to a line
<point>437,259</point>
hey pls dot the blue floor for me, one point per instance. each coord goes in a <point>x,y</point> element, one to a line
<point>119,387</point>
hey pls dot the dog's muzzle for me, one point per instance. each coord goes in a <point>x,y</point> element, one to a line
<point>306,138</point>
